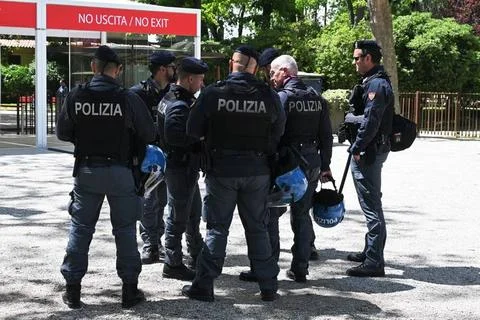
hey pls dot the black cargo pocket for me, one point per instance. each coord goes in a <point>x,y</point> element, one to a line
<point>70,203</point>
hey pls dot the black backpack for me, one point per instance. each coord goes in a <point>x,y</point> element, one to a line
<point>404,132</point>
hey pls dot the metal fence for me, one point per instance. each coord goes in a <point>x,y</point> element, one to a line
<point>438,114</point>
<point>26,115</point>
<point>443,114</point>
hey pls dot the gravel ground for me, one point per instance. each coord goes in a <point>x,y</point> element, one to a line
<point>433,267</point>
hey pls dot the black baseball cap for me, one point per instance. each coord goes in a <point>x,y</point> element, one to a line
<point>106,54</point>
<point>193,65</point>
<point>248,51</point>
<point>267,56</point>
<point>162,58</point>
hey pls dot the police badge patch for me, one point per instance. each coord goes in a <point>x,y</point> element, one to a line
<point>371,95</point>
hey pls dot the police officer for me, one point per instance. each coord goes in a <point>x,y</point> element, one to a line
<point>241,120</point>
<point>264,61</point>
<point>152,90</point>
<point>183,165</point>
<point>308,133</point>
<point>99,119</point>
<point>370,150</point>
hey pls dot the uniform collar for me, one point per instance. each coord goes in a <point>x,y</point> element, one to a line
<point>294,82</point>
<point>374,70</point>
<point>104,78</point>
<point>181,92</point>
<point>241,76</point>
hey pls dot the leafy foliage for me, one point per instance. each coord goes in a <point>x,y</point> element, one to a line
<point>433,53</point>
<point>337,99</point>
<point>333,51</point>
<point>20,79</point>
<point>17,80</point>
<point>436,54</point>
<point>466,11</point>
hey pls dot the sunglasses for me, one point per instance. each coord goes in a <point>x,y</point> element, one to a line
<point>358,58</point>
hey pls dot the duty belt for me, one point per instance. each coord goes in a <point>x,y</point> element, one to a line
<point>229,152</point>
<point>102,161</point>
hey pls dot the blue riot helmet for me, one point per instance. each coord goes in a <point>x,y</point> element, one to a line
<point>289,187</point>
<point>328,207</point>
<point>153,165</point>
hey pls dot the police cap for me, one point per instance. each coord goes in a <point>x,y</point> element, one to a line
<point>105,54</point>
<point>248,51</point>
<point>193,65</point>
<point>267,56</point>
<point>162,58</point>
<point>369,46</point>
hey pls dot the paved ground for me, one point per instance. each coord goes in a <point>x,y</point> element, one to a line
<point>433,267</point>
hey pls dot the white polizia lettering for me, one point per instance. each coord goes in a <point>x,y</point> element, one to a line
<point>305,106</point>
<point>248,106</point>
<point>98,109</point>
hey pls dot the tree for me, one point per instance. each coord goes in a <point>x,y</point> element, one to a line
<point>382,28</point>
<point>467,11</point>
<point>436,54</point>
<point>333,51</point>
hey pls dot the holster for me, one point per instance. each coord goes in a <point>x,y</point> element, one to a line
<point>139,177</point>
<point>205,159</point>
<point>76,165</point>
<point>371,153</point>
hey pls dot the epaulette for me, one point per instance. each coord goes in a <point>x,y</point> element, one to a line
<point>220,83</point>
<point>145,85</point>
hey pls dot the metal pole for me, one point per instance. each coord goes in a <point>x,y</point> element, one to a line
<point>41,75</point>
<point>197,41</point>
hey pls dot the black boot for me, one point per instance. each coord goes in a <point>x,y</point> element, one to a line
<point>192,262</point>
<point>71,297</point>
<point>365,270</point>
<point>150,255</point>
<point>268,295</point>
<point>297,277</point>
<point>180,272</point>
<point>196,293</point>
<point>356,257</point>
<point>131,295</point>
<point>248,276</point>
<point>313,253</point>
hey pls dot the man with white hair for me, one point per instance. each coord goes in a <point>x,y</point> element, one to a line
<point>241,121</point>
<point>308,133</point>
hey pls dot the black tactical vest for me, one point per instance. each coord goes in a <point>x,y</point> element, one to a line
<point>304,110</point>
<point>100,123</point>
<point>241,118</point>
<point>169,100</point>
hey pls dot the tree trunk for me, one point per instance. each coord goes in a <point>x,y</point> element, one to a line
<point>382,28</point>
<point>241,20</point>
<point>351,13</point>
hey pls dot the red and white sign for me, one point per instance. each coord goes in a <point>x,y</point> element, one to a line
<point>18,14</point>
<point>120,20</point>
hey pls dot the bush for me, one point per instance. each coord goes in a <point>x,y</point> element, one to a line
<point>337,99</point>
<point>436,54</point>
<point>16,80</point>
<point>338,105</point>
<point>334,49</point>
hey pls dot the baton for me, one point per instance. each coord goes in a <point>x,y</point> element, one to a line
<point>345,172</point>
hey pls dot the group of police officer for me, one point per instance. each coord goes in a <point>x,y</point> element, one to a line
<point>237,132</point>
